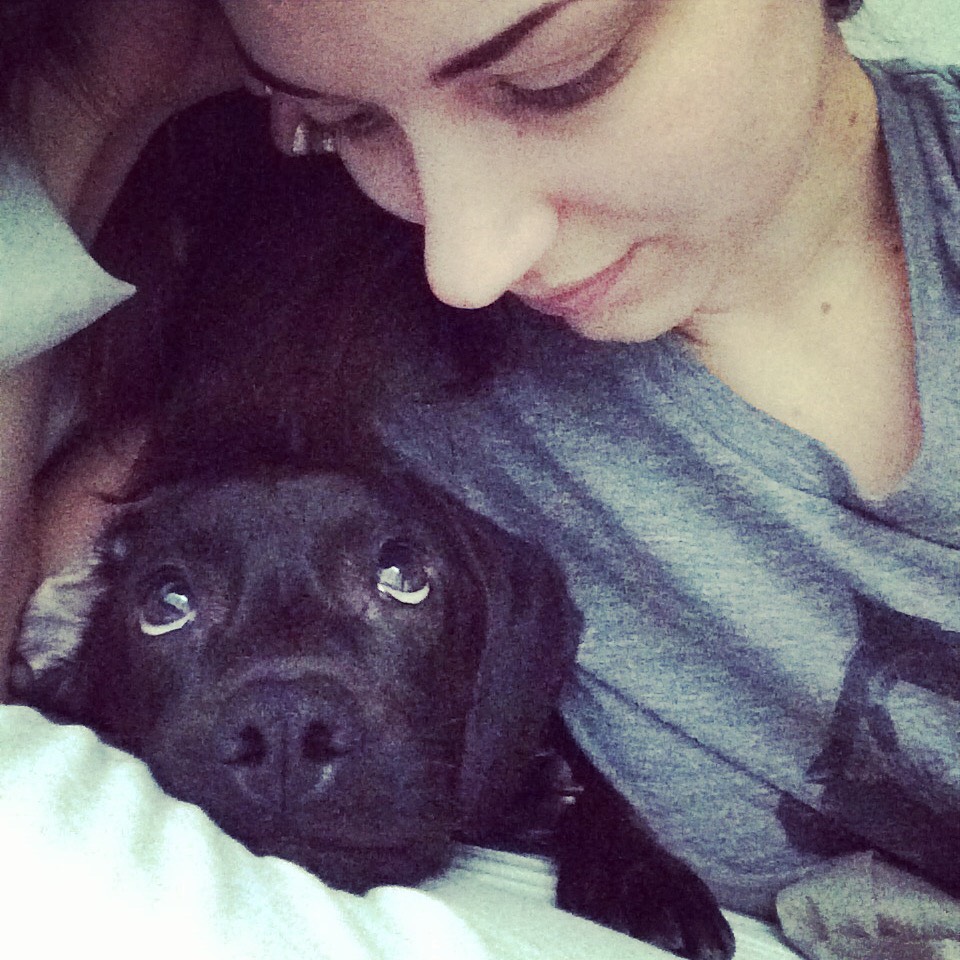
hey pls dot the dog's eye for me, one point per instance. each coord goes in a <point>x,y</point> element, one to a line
<point>167,608</point>
<point>401,574</point>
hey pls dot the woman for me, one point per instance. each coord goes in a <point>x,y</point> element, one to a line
<point>741,436</point>
<point>738,437</point>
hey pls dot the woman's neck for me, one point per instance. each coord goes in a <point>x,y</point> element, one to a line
<point>837,207</point>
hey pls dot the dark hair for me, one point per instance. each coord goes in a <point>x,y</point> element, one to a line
<point>44,34</point>
<point>838,10</point>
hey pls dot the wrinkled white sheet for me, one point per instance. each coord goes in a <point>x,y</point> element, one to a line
<point>96,861</point>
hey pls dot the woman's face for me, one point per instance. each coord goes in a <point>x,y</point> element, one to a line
<point>616,163</point>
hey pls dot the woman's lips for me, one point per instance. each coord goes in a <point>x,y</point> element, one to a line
<point>577,299</point>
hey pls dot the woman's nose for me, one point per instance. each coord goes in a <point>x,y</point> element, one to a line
<point>484,228</point>
<point>485,221</point>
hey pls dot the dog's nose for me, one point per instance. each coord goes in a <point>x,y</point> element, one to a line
<point>281,740</point>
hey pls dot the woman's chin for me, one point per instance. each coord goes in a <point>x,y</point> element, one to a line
<point>627,324</point>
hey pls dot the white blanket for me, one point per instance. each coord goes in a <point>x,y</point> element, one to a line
<point>96,861</point>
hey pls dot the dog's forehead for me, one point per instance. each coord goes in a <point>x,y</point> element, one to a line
<point>313,503</point>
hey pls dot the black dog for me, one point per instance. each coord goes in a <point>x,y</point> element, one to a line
<point>351,671</point>
<point>342,665</point>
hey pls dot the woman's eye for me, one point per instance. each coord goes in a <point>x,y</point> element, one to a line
<point>165,609</point>
<point>580,89</point>
<point>401,574</point>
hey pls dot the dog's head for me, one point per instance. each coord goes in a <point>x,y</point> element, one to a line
<point>345,671</point>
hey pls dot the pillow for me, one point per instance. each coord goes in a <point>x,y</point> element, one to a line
<point>49,286</point>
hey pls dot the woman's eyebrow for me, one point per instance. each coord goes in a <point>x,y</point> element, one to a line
<point>497,47</point>
<point>478,57</point>
<point>285,86</point>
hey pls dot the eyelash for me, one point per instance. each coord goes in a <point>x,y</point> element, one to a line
<point>591,84</point>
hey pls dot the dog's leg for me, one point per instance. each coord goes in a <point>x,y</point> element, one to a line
<point>611,869</point>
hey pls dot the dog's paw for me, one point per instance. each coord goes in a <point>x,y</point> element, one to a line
<point>660,901</point>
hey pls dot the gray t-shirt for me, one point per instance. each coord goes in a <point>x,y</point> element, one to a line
<point>765,670</point>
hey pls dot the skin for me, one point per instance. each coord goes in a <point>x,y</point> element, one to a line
<point>23,395</point>
<point>734,171</point>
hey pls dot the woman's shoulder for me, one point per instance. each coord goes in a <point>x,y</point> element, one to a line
<point>912,77</point>
<point>927,95</point>
<point>919,100</point>
<point>919,110</point>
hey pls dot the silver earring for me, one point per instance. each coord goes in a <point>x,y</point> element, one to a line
<point>300,145</point>
<point>326,142</point>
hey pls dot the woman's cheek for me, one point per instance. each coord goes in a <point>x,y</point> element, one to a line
<point>386,173</point>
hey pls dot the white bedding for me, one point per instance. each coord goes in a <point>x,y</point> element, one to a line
<point>96,861</point>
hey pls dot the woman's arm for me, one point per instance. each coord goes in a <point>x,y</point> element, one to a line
<point>22,419</point>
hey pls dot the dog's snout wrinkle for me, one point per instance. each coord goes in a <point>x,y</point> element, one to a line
<point>343,676</point>
<point>281,740</point>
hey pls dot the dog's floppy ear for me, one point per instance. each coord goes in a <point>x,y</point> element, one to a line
<point>47,668</point>
<point>531,636</point>
<point>44,668</point>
